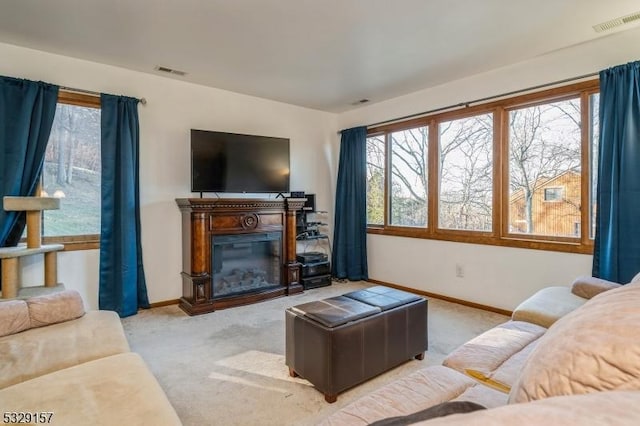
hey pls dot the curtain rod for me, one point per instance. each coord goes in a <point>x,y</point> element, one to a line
<point>143,101</point>
<point>488,98</point>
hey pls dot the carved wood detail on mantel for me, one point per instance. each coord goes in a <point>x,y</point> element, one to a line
<point>235,204</point>
<point>204,218</point>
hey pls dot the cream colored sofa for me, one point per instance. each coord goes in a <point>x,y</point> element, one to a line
<point>583,369</point>
<point>55,358</point>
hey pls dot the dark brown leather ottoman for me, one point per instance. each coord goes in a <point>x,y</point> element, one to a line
<point>339,342</point>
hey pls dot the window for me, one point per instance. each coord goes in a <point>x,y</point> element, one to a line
<point>514,172</point>
<point>71,171</point>
<point>594,135</point>
<point>553,194</point>
<point>544,149</point>
<point>375,180</point>
<point>409,177</point>
<point>466,173</point>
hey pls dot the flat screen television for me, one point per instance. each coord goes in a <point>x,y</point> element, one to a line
<point>231,162</point>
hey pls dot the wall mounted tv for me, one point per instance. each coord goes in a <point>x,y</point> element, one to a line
<point>231,162</point>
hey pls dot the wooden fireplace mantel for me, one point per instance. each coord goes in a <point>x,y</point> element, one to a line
<point>204,218</point>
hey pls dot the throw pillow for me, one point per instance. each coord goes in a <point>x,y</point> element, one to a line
<point>440,410</point>
<point>593,348</point>
<point>54,308</point>
<point>14,317</point>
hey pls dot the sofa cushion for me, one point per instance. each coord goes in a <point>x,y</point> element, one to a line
<point>593,348</point>
<point>54,308</point>
<point>588,287</point>
<point>508,373</point>
<point>14,317</point>
<point>39,351</point>
<point>496,356</point>
<point>547,306</point>
<point>417,391</point>
<point>116,390</point>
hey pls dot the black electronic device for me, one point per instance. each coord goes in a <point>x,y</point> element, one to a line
<point>312,257</point>
<point>313,269</point>
<point>231,162</point>
<point>316,281</point>
<point>296,194</point>
<point>310,204</point>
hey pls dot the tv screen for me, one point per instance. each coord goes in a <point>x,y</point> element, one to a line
<point>230,162</point>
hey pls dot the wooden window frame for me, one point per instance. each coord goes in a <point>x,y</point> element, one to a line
<point>87,241</point>
<point>436,175</point>
<point>499,235</point>
<point>388,178</point>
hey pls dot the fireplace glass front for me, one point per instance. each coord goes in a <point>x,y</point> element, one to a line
<point>245,263</point>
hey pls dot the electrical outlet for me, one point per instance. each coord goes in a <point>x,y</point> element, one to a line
<point>459,270</point>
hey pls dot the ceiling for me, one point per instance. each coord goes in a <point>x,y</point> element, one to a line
<point>321,54</point>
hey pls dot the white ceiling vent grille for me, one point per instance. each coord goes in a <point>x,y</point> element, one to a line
<point>170,70</point>
<point>609,25</point>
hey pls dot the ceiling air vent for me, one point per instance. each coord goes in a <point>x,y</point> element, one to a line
<point>609,25</point>
<point>170,70</point>
<point>360,102</point>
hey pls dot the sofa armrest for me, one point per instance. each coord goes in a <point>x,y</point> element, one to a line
<point>588,287</point>
<point>39,351</point>
<point>547,306</point>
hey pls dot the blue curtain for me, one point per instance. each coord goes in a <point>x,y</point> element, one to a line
<point>122,285</point>
<point>350,231</point>
<point>616,254</point>
<point>27,109</point>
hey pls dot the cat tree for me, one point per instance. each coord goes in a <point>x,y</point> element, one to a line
<point>10,256</point>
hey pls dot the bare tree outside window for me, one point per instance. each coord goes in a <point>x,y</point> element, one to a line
<point>544,150</point>
<point>72,172</point>
<point>375,180</point>
<point>409,176</point>
<point>466,173</point>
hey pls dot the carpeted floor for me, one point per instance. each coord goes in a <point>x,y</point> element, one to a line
<point>227,367</point>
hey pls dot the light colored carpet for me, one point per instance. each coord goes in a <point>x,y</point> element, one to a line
<point>227,367</point>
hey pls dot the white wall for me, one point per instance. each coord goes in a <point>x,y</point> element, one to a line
<point>495,276</point>
<point>173,108</point>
